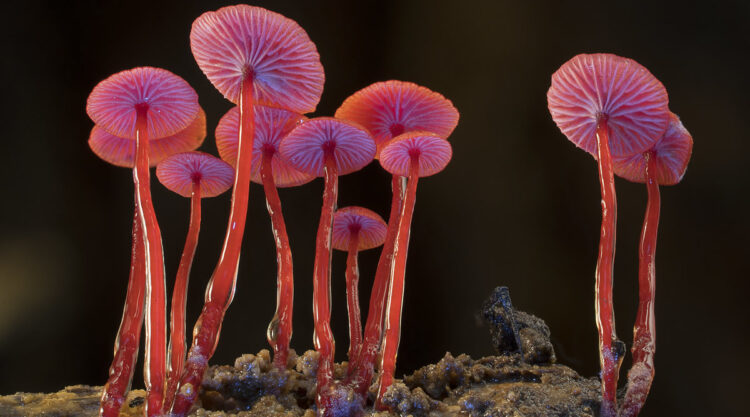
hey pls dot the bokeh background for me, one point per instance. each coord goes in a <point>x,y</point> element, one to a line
<point>518,206</point>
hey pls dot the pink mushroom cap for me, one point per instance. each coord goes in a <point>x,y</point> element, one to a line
<point>180,171</point>
<point>369,226</point>
<point>623,92</point>
<point>433,152</point>
<point>672,153</point>
<point>282,60</point>
<point>305,147</point>
<point>121,151</point>
<point>171,103</point>
<point>271,126</point>
<point>390,108</point>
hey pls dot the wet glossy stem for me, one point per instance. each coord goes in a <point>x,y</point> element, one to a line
<point>323,338</point>
<point>352,296</point>
<point>608,358</point>
<point>220,288</point>
<point>156,307</point>
<point>396,291</point>
<point>129,334</point>
<point>179,296</point>
<point>280,329</point>
<point>360,373</point>
<point>644,333</point>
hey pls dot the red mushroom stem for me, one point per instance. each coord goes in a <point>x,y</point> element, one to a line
<point>360,374</point>
<point>280,329</point>
<point>179,295</point>
<point>129,334</point>
<point>396,291</point>
<point>221,287</point>
<point>609,360</point>
<point>644,333</point>
<point>352,294</point>
<point>156,334</point>
<point>323,338</point>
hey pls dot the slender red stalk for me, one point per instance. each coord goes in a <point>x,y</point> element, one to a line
<point>129,334</point>
<point>220,288</point>
<point>280,329</point>
<point>352,296</point>
<point>323,338</point>
<point>156,332</point>
<point>641,373</point>
<point>179,296</point>
<point>608,358</point>
<point>360,373</point>
<point>396,291</point>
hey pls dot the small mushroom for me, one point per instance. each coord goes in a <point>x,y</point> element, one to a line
<point>412,155</point>
<point>251,55</point>
<point>388,109</point>
<point>268,169</point>
<point>664,164</point>
<point>326,147</point>
<point>144,103</point>
<point>195,175</point>
<point>609,106</point>
<point>356,229</point>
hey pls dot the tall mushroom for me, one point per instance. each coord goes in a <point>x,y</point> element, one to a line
<point>251,55</point>
<point>608,106</point>
<point>664,164</point>
<point>388,109</point>
<point>355,229</point>
<point>145,103</point>
<point>194,175</point>
<point>271,125</point>
<point>326,147</point>
<point>412,155</point>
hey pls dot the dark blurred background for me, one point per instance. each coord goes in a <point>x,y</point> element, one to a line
<point>517,206</point>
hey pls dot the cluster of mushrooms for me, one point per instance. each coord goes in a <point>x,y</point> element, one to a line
<point>616,110</point>
<point>266,64</point>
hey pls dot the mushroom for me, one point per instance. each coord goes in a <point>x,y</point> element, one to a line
<point>664,164</point>
<point>608,106</point>
<point>355,229</point>
<point>412,155</point>
<point>268,169</point>
<point>388,109</point>
<point>251,55</point>
<point>326,147</point>
<point>144,103</point>
<point>194,175</point>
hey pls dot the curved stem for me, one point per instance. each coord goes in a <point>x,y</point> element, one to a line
<point>280,329</point>
<point>129,333</point>
<point>396,291</point>
<point>176,351</point>
<point>323,337</point>
<point>641,373</point>
<point>609,359</point>
<point>156,332</point>
<point>220,288</point>
<point>352,296</point>
<point>360,373</point>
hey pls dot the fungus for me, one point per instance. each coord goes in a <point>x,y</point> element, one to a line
<point>412,155</point>
<point>251,55</point>
<point>326,147</point>
<point>664,164</point>
<point>194,175</point>
<point>145,103</point>
<point>268,169</point>
<point>355,229</point>
<point>388,109</point>
<point>611,107</point>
